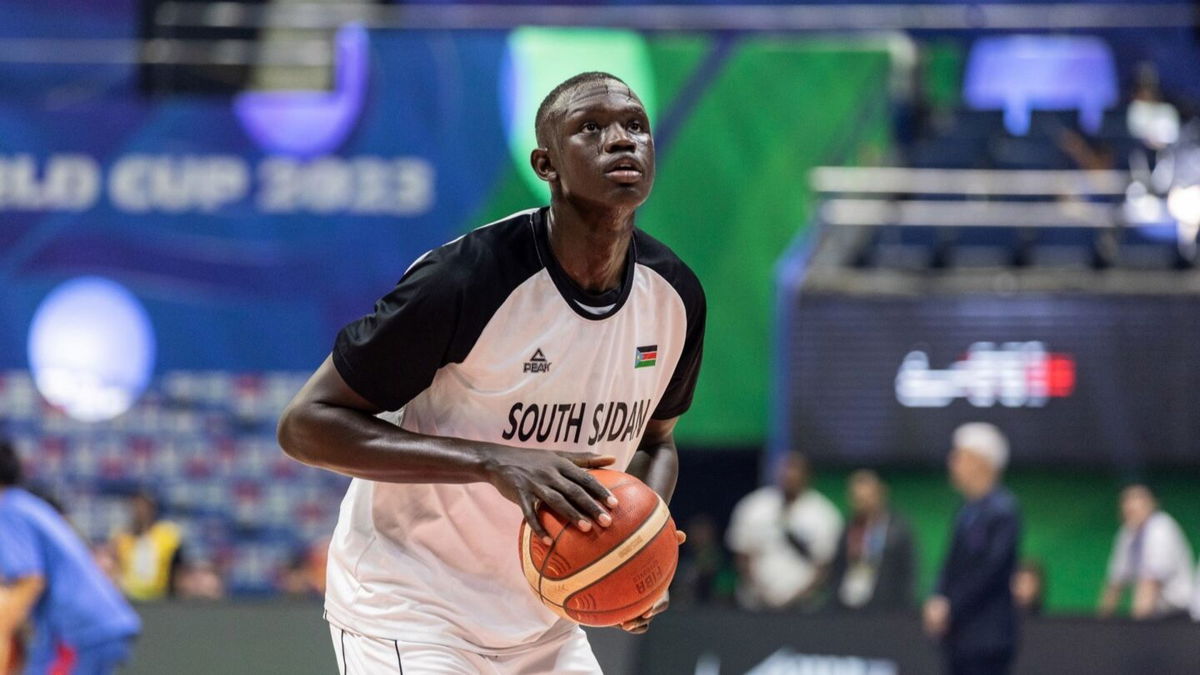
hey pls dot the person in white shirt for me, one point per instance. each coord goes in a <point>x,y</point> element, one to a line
<point>784,536</point>
<point>1151,556</point>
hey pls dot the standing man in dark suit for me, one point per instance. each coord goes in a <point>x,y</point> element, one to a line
<point>972,612</point>
<point>875,565</point>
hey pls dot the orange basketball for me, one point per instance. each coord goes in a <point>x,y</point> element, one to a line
<point>611,574</point>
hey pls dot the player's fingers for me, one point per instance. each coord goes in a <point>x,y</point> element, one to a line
<point>589,460</point>
<point>585,502</point>
<point>658,608</point>
<point>680,537</point>
<point>557,503</point>
<point>637,626</point>
<point>594,487</point>
<point>530,512</point>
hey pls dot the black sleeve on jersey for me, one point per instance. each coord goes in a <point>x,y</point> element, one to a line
<point>678,397</point>
<point>391,355</point>
<point>435,313</point>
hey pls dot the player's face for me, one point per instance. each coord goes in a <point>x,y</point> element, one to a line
<point>605,151</point>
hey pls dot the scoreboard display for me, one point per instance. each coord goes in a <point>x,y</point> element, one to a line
<point>1070,378</point>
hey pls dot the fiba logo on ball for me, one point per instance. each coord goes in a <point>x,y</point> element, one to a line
<point>609,575</point>
<point>650,577</point>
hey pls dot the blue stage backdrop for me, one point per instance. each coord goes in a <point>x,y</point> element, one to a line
<point>214,213</point>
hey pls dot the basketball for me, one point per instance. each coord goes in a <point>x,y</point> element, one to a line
<point>611,574</point>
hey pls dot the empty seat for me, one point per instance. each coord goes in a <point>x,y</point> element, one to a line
<point>1148,248</point>
<point>901,247</point>
<point>949,153</point>
<point>1062,247</point>
<point>983,124</point>
<point>981,247</point>
<point>1009,152</point>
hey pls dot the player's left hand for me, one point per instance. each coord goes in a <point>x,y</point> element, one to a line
<point>642,623</point>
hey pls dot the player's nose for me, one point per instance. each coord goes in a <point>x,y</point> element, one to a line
<point>618,139</point>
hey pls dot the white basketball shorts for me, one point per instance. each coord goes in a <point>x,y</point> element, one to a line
<point>363,655</point>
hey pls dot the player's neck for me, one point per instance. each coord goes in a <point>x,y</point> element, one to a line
<point>590,246</point>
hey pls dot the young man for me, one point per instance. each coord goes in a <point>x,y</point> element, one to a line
<point>503,365</point>
<point>81,624</point>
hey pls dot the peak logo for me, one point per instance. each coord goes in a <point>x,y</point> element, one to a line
<point>1011,374</point>
<point>537,363</point>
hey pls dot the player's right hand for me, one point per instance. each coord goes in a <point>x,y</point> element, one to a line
<point>557,479</point>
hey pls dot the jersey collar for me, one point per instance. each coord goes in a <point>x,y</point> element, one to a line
<point>590,306</point>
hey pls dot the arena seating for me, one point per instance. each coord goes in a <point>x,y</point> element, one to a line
<point>204,444</point>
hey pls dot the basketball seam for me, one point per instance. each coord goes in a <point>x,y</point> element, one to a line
<point>614,609</point>
<point>595,569</point>
<point>614,571</point>
<point>541,570</point>
<point>541,573</point>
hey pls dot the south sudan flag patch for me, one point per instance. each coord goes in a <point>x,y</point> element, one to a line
<point>645,356</point>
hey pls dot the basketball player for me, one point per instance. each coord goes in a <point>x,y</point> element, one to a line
<point>503,365</point>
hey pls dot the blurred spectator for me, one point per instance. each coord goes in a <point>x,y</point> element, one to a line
<point>702,565</point>
<point>81,624</point>
<point>972,611</point>
<point>784,537</point>
<point>1087,155</point>
<point>1029,588</point>
<point>1150,119</point>
<point>106,560</point>
<point>1151,556</point>
<point>1153,122</point>
<point>1195,607</point>
<point>200,580</point>
<point>305,576</point>
<point>874,567</point>
<point>149,554</point>
<point>43,493</point>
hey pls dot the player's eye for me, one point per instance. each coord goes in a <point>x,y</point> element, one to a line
<point>590,127</point>
<point>635,126</point>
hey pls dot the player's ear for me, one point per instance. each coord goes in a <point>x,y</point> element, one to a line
<point>539,159</point>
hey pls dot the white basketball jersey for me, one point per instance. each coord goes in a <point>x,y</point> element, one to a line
<point>487,339</point>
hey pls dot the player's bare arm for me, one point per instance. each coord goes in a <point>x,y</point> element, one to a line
<point>329,425</point>
<point>656,463</point>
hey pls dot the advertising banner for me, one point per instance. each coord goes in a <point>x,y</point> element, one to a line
<point>1070,378</point>
<point>726,642</point>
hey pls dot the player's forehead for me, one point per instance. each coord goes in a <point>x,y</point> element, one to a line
<point>599,95</point>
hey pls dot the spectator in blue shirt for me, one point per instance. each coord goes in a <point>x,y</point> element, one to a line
<point>81,623</point>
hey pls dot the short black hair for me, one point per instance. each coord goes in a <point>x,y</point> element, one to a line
<point>551,100</point>
<point>10,464</point>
